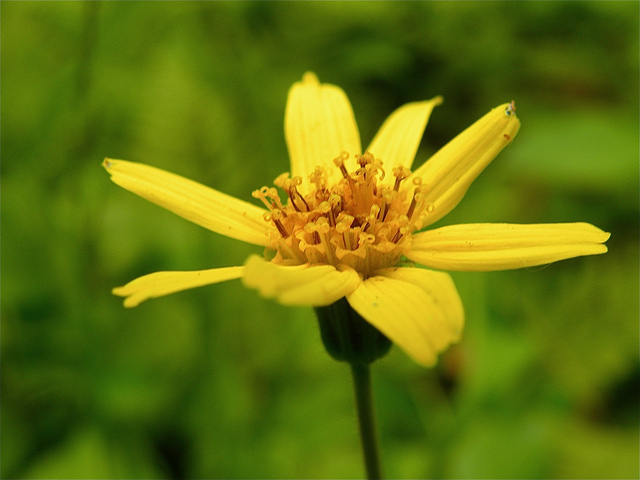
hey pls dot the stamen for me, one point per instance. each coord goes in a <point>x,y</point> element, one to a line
<point>366,239</point>
<point>418,204</point>
<point>343,226</point>
<point>355,221</point>
<point>365,159</point>
<point>400,173</point>
<point>371,218</point>
<point>402,231</point>
<point>414,202</point>
<point>272,193</point>
<point>339,162</point>
<point>387,199</point>
<point>282,243</point>
<point>276,215</point>
<point>327,210</point>
<point>294,195</point>
<point>336,202</point>
<point>323,229</point>
<point>320,181</point>
<point>261,194</point>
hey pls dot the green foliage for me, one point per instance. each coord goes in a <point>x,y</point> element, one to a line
<point>217,382</point>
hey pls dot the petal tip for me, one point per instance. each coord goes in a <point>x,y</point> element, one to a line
<point>310,78</point>
<point>130,301</point>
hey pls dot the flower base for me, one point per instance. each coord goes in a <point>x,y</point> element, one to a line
<point>348,337</point>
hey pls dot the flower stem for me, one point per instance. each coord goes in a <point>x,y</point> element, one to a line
<point>366,419</point>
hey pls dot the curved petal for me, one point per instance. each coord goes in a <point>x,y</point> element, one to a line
<point>397,141</point>
<point>420,310</point>
<point>497,246</point>
<point>163,283</point>
<point>205,206</point>
<point>315,285</point>
<point>319,125</point>
<point>450,171</point>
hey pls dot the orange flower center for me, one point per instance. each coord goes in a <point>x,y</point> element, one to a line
<point>356,222</point>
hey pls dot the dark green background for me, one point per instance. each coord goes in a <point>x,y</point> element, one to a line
<point>218,382</point>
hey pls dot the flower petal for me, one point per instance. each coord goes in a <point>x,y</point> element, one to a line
<point>163,283</point>
<point>205,206</point>
<point>319,125</point>
<point>315,285</point>
<point>450,171</point>
<point>420,310</point>
<point>397,141</point>
<point>497,246</point>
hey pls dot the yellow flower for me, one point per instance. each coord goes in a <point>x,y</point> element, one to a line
<point>348,219</point>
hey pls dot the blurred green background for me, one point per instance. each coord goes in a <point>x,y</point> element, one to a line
<point>218,382</point>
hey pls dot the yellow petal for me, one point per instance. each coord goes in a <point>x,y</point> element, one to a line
<point>420,310</point>
<point>319,125</point>
<point>397,141</point>
<point>163,283</point>
<point>316,285</point>
<point>450,171</point>
<point>497,246</point>
<point>205,206</point>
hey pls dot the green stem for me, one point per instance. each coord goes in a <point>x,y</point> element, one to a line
<point>366,419</point>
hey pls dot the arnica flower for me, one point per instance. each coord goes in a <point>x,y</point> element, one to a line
<point>349,224</point>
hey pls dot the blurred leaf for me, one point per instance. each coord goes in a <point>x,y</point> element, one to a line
<point>593,151</point>
<point>89,454</point>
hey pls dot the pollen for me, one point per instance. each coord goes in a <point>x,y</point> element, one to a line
<point>360,221</point>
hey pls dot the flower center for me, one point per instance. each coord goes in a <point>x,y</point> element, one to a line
<point>356,221</point>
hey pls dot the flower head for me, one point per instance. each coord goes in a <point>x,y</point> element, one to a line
<point>340,224</point>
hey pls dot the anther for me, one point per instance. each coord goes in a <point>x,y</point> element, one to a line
<point>275,217</point>
<point>317,177</point>
<point>365,159</point>
<point>417,196</point>
<point>418,203</point>
<point>346,238</point>
<point>402,231</point>
<point>400,173</point>
<point>336,201</point>
<point>294,195</point>
<point>262,196</point>
<point>366,238</point>
<point>339,162</point>
<point>272,193</point>
<point>387,199</point>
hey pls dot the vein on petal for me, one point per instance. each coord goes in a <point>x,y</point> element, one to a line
<point>159,284</point>
<point>420,310</point>
<point>193,201</point>
<point>398,139</point>
<point>483,247</point>
<point>313,285</point>
<point>319,126</point>
<point>450,171</point>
